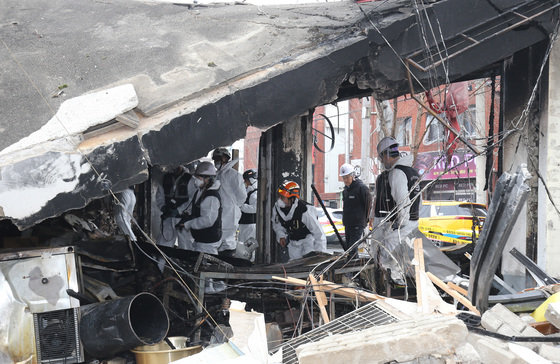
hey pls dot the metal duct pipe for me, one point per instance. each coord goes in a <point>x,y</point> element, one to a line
<point>114,326</point>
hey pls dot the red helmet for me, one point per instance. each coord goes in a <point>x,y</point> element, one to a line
<point>289,189</point>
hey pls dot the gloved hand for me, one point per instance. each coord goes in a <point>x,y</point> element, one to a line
<point>184,219</point>
<point>169,210</point>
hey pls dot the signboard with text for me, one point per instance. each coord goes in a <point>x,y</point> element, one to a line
<point>432,165</point>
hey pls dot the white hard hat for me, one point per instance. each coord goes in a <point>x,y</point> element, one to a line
<point>205,169</point>
<point>346,169</point>
<point>385,144</point>
<point>218,153</point>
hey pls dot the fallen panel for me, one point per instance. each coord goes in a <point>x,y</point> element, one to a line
<point>509,197</point>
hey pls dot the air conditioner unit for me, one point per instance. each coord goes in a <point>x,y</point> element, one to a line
<point>39,280</point>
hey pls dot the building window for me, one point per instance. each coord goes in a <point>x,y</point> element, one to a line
<point>467,120</point>
<point>404,131</point>
<point>435,132</point>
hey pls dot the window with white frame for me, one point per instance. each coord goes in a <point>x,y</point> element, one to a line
<point>467,120</point>
<point>404,131</point>
<point>435,132</point>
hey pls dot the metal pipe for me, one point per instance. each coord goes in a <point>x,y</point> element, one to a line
<point>110,327</point>
<point>328,216</point>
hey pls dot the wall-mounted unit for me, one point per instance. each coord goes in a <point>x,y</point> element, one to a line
<point>43,318</point>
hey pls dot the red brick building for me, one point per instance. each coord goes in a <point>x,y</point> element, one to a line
<point>417,132</point>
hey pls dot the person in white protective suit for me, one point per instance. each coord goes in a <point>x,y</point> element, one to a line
<point>172,196</point>
<point>203,218</point>
<point>248,220</point>
<point>184,237</point>
<point>396,207</point>
<point>295,223</point>
<point>233,195</point>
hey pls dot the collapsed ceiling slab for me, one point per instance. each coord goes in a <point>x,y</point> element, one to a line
<point>201,75</point>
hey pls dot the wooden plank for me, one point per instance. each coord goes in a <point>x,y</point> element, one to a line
<point>336,289</point>
<point>129,119</point>
<point>438,282</point>
<point>544,327</point>
<point>461,290</point>
<point>421,256</point>
<point>417,269</point>
<point>321,298</point>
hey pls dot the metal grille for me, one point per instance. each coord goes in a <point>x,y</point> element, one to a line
<point>364,317</point>
<point>57,337</point>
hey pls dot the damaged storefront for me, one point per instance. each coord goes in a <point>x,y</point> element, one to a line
<point>102,124</point>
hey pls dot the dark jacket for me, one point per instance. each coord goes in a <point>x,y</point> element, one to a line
<point>356,204</point>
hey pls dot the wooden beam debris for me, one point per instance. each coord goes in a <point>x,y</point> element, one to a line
<point>331,287</point>
<point>438,282</point>
<point>321,298</point>
<point>419,269</point>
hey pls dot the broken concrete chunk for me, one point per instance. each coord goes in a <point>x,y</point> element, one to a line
<point>552,314</point>
<point>527,355</point>
<point>426,360</point>
<point>79,114</point>
<point>491,353</point>
<point>530,331</point>
<point>402,341</point>
<point>506,316</point>
<point>490,321</point>
<point>550,352</point>
<point>466,353</point>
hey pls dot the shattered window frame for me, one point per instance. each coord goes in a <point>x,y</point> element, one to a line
<point>404,131</point>
<point>435,131</point>
<point>467,121</point>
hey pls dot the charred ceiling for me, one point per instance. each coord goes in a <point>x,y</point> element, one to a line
<point>217,82</point>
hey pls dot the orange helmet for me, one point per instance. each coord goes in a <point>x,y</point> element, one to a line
<point>289,189</point>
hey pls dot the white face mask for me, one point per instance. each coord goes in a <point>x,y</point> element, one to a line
<point>198,182</point>
<point>280,203</point>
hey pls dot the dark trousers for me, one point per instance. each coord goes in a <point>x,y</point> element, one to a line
<point>353,234</point>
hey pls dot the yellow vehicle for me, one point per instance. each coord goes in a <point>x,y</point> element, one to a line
<point>451,224</point>
<point>336,216</point>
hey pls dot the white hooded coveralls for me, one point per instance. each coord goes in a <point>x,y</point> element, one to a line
<point>209,210</point>
<point>406,227</point>
<point>233,195</point>
<point>315,241</point>
<point>247,231</point>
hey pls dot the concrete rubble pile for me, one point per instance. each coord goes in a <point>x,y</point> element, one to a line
<point>439,339</point>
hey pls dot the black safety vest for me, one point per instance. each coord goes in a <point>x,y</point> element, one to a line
<point>384,202</point>
<point>175,188</point>
<point>213,233</point>
<point>295,227</point>
<point>248,218</point>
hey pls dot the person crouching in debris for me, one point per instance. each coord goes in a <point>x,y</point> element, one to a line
<point>296,224</point>
<point>248,220</point>
<point>204,216</point>
<point>397,201</point>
